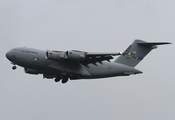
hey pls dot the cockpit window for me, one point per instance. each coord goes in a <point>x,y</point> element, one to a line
<point>15,50</point>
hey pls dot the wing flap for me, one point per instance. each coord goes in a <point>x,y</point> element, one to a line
<point>98,57</point>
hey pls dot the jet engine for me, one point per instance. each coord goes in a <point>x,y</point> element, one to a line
<point>75,56</point>
<point>31,71</point>
<point>55,55</point>
<point>68,55</point>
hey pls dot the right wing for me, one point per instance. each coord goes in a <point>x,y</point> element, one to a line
<point>83,57</point>
<point>98,57</point>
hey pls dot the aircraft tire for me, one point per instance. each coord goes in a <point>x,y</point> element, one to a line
<point>57,79</point>
<point>14,67</point>
<point>64,80</point>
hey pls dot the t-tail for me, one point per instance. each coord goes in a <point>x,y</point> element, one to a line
<point>137,51</point>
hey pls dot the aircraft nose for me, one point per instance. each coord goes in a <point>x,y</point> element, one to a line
<point>11,56</point>
<point>8,55</point>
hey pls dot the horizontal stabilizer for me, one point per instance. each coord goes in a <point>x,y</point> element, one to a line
<point>153,43</point>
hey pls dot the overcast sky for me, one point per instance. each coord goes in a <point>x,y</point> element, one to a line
<point>93,25</point>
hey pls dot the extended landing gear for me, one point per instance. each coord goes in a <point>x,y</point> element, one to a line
<point>14,67</point>
<point>57,79</point>
<point>64,80</point>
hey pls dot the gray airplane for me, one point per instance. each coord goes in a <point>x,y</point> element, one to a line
<point>73,65</point>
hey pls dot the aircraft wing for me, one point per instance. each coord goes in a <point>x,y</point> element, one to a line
<point>98,57</point>
<point>81,56</point>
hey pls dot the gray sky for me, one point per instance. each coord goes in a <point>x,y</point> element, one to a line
<point>99,26</point>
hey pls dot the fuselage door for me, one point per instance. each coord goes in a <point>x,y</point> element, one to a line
<point>35,58</point>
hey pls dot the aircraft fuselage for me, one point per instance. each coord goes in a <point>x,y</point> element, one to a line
<point>34,62</point>
<point>64,65</point>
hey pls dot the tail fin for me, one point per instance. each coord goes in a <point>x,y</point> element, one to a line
<point>137,51</point>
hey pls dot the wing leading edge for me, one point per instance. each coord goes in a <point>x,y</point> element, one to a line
<point>80,56</point>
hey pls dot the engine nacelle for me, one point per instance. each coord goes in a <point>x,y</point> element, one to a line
<point>75,56</point>
<point>52,55</point>
<point>31,71</point>
<point>68,55</point>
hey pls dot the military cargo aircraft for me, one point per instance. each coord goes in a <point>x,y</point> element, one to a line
<point>74,65</point>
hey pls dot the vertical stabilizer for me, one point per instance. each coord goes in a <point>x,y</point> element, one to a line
<point>137,51</point>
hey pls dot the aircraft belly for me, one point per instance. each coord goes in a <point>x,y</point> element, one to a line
<point>69,68</point>
<point>108,69</point>
<point>101,70</point>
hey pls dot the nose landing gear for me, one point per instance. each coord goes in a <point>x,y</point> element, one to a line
<point>14,67</point>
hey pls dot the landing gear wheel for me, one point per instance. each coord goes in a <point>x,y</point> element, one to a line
<point>64,80</point>
<point>14,67</point>
<point>57,79</point>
